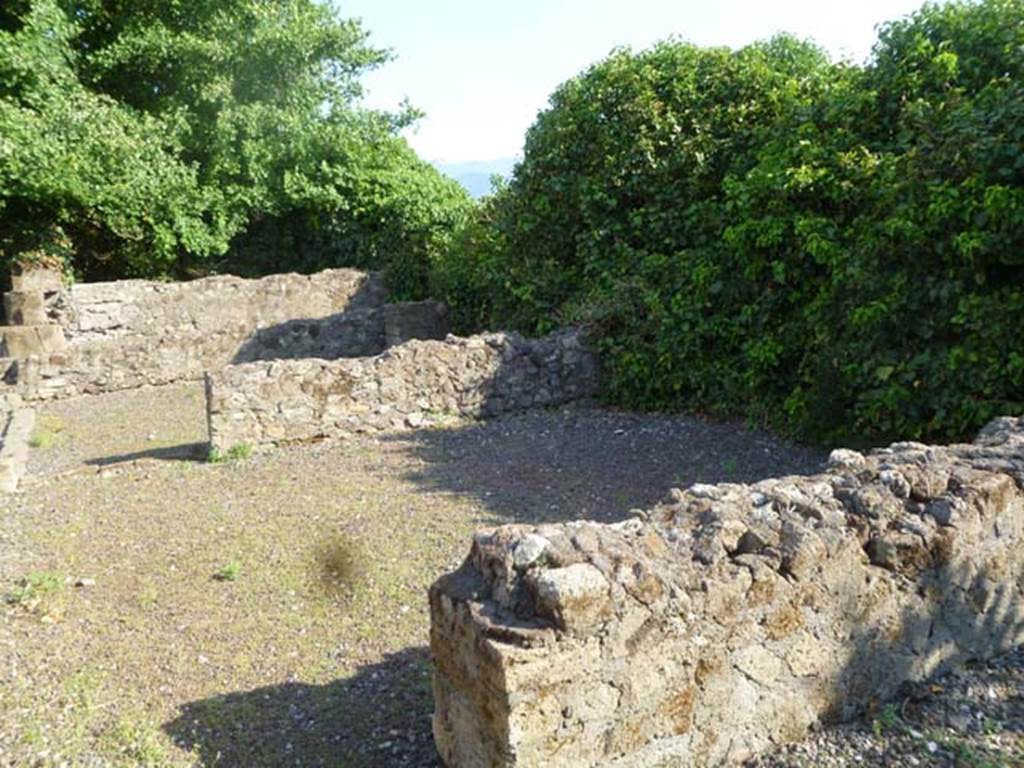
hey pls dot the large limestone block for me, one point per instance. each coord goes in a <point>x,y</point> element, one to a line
<point>731,617</point>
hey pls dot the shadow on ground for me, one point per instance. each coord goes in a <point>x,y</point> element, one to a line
<point>184,452</point>
<point>587,463</point>
<point>974,610</point>
<point>378,717</point>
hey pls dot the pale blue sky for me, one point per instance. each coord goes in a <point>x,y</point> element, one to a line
<point>482,70</point>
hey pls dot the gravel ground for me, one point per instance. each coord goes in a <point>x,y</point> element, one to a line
<point>969,718</point>
<point>272,612</point>
<point>158,422</point>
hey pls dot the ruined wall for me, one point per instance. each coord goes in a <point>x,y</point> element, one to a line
<point>143,308</point>
<point>134,332</point>
<point>407,386</point>
<point>731,617</point>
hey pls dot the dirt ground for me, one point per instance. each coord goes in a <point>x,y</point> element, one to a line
<point>162,610</point>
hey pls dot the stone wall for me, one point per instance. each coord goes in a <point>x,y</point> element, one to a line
<point>731,617</point>
<point>105,336</point>
<point>409,385</point>
<point>221,305</point>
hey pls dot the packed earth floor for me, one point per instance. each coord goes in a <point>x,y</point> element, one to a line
<point>270,610</point>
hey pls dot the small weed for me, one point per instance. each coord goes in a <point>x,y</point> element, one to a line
<point>239,452</point>
<point>148,597</point>
<point>229,571</point>
<point>886,721</point>
<point>731,467</point>
<point>990,727</point>
<point>964,754</point>
<point>441,419</point>
<point>82,688</point>
<point>34,587</point>
<point>47,433</point>
<point>40,439</point>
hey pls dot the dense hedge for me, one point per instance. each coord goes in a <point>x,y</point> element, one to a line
<point>833,250</point>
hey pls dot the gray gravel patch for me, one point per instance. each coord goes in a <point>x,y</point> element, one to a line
<point>591,463</point>
<point>151,422</point>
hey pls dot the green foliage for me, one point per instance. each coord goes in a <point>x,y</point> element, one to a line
<point>229,572</point>
<point>887,720</point>
<point>34,587</point>
<point>159,135</point>
<point>472,273</point>
<point>47,433</point>
<point>238,452</point>
<point>832,250</point>
<point>357,197</point>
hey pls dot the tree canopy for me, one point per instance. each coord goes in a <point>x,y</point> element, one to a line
<point>154,133</point>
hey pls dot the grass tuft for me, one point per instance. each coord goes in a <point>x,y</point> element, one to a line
<point>229,571</point>
<point>239,452</point>
<point>34,587</point>
<point>47,433</point>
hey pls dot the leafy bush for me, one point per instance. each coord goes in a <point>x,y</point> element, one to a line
<point>832,250</point>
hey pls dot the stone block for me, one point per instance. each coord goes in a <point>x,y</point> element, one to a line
<point>41,279</point>
<point>26,340</point>
<point>15,429</point>
<point>25,308</point>
<point>731,618</point>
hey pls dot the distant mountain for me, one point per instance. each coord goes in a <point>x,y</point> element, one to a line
<point>476,176</point>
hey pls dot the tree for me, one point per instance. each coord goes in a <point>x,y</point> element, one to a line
<point>155,132</point>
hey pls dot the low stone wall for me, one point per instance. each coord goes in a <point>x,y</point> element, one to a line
<point>108,336</point>
<point>409,385</point>
<point>731,617</point>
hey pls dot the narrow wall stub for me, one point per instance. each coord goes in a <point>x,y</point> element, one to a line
<point>16,422</point>
<point>731,617</point>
